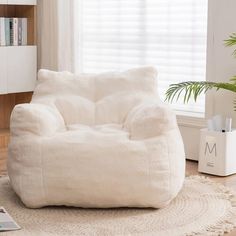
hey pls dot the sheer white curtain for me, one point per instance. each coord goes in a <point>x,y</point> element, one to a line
<point>169,34</point>
<point>56,34</point>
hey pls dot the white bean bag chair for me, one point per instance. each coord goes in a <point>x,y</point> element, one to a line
<point>96,141</point>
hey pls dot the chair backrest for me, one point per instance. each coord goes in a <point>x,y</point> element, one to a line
<point>95,99</point>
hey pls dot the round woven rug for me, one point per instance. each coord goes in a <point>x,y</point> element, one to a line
<point>202,208</point>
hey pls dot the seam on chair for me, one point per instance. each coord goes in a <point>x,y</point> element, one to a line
<point>169,195</point>
<point>149,170</point>
<point>41,158</point>
<point>20,177</point>
<point>170,170</point>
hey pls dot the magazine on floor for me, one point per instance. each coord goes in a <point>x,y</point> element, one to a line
<point>6,221</point>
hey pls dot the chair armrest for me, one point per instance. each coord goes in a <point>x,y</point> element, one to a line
<point>149,120</point>
<point>37,119</point>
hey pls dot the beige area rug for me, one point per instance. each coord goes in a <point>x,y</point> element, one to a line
<point>202,208</point>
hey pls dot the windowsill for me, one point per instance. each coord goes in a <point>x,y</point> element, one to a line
<point>191,119</point>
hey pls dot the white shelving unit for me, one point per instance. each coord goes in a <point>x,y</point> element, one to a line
<point>20,2</point>
<point>18,69</point>
<point>18,65</point>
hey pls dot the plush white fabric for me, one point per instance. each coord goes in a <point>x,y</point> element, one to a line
<point>96,141</point>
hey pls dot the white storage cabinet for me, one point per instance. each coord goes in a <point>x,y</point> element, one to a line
<point>217,153</point>
<point>18,64</point>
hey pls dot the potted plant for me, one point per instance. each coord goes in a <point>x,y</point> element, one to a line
<point>195,88</point>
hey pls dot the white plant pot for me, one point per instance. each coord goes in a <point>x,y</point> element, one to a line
<point>217,153</point>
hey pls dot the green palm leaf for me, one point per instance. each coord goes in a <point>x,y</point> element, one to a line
<point>231,41</point>
<point>194,89</point>
<point>233,79</point>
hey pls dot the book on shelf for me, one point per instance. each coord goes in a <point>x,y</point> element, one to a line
<point>2,32</point>
<point>13,31</point>
<point>24,31</point>
<point>19,31</point>
<point>7,31</point>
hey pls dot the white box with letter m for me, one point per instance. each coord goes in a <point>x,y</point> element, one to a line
<point>217,152</point>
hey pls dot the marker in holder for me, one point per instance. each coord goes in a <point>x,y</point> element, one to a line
<point>228,124</point>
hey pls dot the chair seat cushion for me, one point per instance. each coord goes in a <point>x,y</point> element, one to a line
<point>98,166</point>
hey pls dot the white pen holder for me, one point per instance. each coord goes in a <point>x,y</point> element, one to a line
<point>217,153</point>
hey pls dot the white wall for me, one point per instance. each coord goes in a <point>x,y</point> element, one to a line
<point>191,141</point>
<point>220,67</point>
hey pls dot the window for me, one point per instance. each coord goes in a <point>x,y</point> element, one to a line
<point>121,34</point>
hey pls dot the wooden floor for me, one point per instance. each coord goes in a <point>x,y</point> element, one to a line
<point>3,157</point>
<point>191,169</point>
